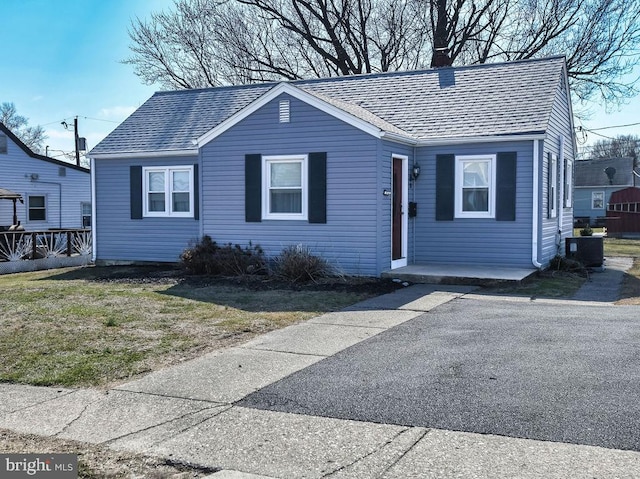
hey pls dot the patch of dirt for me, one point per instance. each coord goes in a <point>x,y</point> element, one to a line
<point>96,461</point>
<point>174,275</point>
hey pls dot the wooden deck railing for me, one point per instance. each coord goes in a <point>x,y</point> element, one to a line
<point>28,245</point>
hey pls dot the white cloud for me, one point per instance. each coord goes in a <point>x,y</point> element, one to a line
<point>117,112</point>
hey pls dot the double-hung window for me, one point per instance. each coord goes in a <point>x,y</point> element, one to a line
<point>168,191</point>
<point>475,189</point>
<point>284,189</point>
<point>597,200</point>
<point>37,208</point>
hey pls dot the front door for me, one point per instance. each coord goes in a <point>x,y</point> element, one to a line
<point>396,239</point>
<point>399,222</point>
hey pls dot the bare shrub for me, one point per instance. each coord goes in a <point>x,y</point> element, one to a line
<point>298,264</point>
<point>207,257</point>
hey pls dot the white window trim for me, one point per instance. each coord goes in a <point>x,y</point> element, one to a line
<point>459,172</point>
<point>593,197</point>
<point>46,207</point>
<point>553,185</point>
<point>266,197</point>
<point>568,180</point>
<point>167,170</point>
<point>82,213</point>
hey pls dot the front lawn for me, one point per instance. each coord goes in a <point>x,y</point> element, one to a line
<point>99,326</point>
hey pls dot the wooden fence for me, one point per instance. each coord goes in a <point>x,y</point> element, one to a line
<point>31,245</point>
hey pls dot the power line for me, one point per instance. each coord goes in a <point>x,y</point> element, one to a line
<point>85,117</point>
<point>600,135</point>
<point>615,126</point>
<point>99,119</point>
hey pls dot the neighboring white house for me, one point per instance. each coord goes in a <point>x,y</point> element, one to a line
<point>55,194</point>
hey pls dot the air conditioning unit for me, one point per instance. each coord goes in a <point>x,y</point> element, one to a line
<point>589,250</point>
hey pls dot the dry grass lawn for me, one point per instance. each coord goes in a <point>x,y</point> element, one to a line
<point>97,327</point>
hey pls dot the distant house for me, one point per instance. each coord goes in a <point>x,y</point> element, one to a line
<point>54,194</point>
<point>595,181</point>
<point>466,165</point>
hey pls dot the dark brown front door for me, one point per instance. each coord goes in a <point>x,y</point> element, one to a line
<point>396,236</point>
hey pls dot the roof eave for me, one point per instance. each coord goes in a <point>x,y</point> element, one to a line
<point>396,138</point>
<point>482,139</point>
<point>143,154</point>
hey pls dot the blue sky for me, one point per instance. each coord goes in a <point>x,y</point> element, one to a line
<point>61,58</point>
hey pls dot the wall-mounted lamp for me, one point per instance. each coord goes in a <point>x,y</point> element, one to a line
<point>415,171</point>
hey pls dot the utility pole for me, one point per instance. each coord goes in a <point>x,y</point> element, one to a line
<point>75,131</point>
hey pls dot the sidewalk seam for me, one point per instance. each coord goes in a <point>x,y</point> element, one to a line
<point>371,453</point>
<point>393,463</point>
<point>13,411</point>
<point>84,409</point>
<point>223,407</point>
<point>144,393</point>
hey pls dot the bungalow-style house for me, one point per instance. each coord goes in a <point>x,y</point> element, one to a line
<point>466,165</point>
<point>595,181</point>
<point>52,194</point>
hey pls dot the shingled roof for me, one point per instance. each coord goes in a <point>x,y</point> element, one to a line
<point>594,172</point>
<point>513,98</point>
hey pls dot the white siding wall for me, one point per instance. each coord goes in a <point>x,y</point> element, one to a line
<point>63,194</point>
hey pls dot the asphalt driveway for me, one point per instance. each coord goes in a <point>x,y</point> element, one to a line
<point>538,370</point>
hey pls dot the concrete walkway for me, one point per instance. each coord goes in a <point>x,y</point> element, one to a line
<point>188,413</point>
<point>604,285</point>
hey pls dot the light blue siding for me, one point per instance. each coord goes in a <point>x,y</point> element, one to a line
<point>350,239</point>
<point>388,151</point>
<point>467,240</point>
<point>583,201</point>
<point>64,187</point>
<point>553,231</point>
<point>119,238</point>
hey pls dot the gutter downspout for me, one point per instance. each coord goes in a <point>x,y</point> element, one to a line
<point>536,203</point>
<point>94,243</point>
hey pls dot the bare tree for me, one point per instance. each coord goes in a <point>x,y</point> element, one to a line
<point>32,136</point>
<point>619,147</point>
<point>215,42</point>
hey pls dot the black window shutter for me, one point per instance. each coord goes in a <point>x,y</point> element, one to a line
<point>253,188</point>
<point>196,193</point>
<point>317,187</point>
<point>506,186</point>
<point>135,191</point>
<point>445,187</point>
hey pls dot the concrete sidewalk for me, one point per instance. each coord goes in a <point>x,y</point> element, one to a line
<point>188,413</point>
